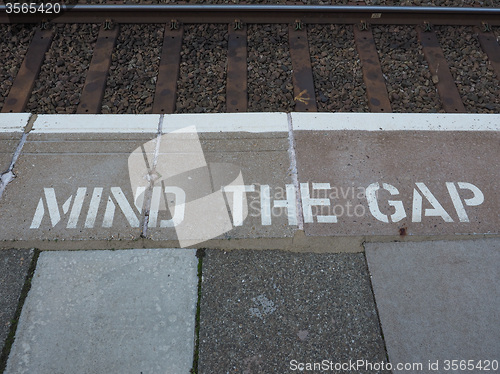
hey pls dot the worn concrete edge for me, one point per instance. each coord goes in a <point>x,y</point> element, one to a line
<point>299,243</point>
<point>13,122</point>
<point>252,122</point>
<point>255,122</point>
<point>96,123</point>
<point>147,123</point>
<point>395,122</point>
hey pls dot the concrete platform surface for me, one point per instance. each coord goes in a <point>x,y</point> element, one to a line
<point>408,182</point>
<point>14,266</point>
<point>129,311</point>
<point>232,172</point>
<point>227,180</point>
<point>73,187</point>
<point>438,301</point>
<point>276,312</point>
<point>8,144</point>
<point>11,129</point>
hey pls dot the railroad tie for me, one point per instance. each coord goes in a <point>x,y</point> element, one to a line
<point>168,72</point>
<point>236,85</point>
<point>95,82</point>
<point>20,91</point>
<point>376,90</point>
<point>303,82</point>
<point>441,75</point>
<point>490,46</point>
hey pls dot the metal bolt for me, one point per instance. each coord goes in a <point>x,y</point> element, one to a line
<point>364,26</point>
<point>44,24</point>
<point>298,25</point>
<point>108,24</point>
<point>486,27</point>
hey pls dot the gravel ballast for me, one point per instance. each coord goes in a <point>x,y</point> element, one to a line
<point>474,76</point>
<point>408,79</point>
<point>62,76</point>
<point>13,47</point>
<point>201,87</point>
<point>270,87</point>
<point>338,78</point>
<point>131,82</point>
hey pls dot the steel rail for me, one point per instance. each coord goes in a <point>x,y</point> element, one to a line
<point>263,14</point>
<point>275,8</point>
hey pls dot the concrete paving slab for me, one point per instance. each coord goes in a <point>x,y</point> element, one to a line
<point>127,311</point>
<point>399,182</point>
<point>73,187</point>
<point>226,164</point>
<point>76,182</point>
<point>231,182</point>
<point>11,129</point>
<point>14,266</point>
<point>277,312</point>
<point>8,144</point>
<point>438,301</point>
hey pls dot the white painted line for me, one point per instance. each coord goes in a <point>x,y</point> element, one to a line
<point>11,122</point>
<point>249,122</point>
<point>96,123</point>
<point>227,122</point>
<point>396,122</point>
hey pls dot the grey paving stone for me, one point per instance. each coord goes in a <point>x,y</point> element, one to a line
<point>262,309</point>
<point>129,311</point>
<point>14,266</point>
<point>438,300</point>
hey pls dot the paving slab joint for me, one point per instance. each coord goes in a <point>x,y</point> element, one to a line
<point>293,171</point>
<point>375,304</point>
<point>8,175</point>
<point>13,327</point>
<point>149,191</point>
<point>200,253</point>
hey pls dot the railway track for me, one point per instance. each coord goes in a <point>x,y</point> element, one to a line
<point>205,58</point>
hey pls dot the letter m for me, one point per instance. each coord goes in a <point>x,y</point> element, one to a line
<point>54,210</point>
